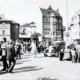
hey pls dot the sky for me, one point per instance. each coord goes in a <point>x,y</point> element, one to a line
<point>26,11</point>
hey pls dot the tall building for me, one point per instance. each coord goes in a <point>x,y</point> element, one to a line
<point>9,29</point>
<point>26,30</point>
<point>52,24</point>
<point>75,27</point>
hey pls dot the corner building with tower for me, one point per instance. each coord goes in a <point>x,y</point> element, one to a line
<point>52,25</point>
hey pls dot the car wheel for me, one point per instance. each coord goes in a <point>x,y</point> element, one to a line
<point>45,55</point>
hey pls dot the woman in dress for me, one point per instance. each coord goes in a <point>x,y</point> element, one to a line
<point>33,48</point>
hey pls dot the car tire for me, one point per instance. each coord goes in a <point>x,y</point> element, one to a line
<point>45,55</point>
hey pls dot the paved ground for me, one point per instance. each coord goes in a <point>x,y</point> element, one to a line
<point>30,68</point>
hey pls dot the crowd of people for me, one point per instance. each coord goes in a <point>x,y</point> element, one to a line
<point>75,54</point>
<point>61,51</point>
<point>10,51</point>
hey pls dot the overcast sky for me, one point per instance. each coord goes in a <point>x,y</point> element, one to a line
<point>26,11</point>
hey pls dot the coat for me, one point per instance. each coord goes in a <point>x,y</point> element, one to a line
<point>10,51</point>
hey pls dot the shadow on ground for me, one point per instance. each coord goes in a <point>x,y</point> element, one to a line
<point>1,73</point>
<point>26,69</point>
<point>21,62</point>
<point>67,59</point>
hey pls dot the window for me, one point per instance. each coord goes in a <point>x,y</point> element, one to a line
<point>3,23</point>
<point>79,17</point>
<point>54,19</point>
<point>54,27</point>
<point>47,26</point>
<point>59,20</point>
<point>58,33</point>
<point>46,19</point>
<point>69,28</point>
<point>46,32</point>
<point>67,34</point>
<point>24,31</point>
<point>53,33</point>
<point>3,32</point>
<point>75,17</point>
<point>58,27</point>
<point>72,19</point>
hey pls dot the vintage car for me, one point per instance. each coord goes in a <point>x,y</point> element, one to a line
<point>57,46</point>
<point>52,54</point>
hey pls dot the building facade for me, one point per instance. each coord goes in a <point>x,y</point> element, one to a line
<point>52,24</point>
<point>26,30</point>
<point>9,29</point>
<point>74,29</point>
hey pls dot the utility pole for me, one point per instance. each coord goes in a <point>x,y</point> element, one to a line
<point>67,13</point>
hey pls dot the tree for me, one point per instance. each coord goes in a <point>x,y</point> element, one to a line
<point>35,37</point>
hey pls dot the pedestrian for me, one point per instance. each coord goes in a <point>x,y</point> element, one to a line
<point>78,53</point>
<point>33,48</point>
<point>50,48</point>
<point>73,53</point>
<point>22,48</point>
<point>19,52</point>
<point>3,59</point>
<point>0,49</point>
<point>61,55</point>
<point>10,56</point>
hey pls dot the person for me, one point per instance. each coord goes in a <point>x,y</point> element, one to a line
<point>50,48</point>
<point>78,53</point>
<point>61,55</point>
<point>10,56</point>
<point>22,48</point>
<point>0,49</point>
<point>33,48</point>
<point>73,53</point>
<point>18,51</point>
<point>4,60</point>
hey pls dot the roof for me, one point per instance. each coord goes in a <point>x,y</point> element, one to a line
<point>14,22</point>
<point>32,24</point>
<point>2,18</point>
<point>49,11</point>
<point>24,25</point>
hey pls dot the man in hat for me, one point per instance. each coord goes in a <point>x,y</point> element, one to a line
<point>3,47</point>
<point>10,56</point>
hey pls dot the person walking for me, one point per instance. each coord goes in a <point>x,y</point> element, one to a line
<point>4,60</point>
<point>10,56</point>
<point>73,53</point>
<point>33,48</point>
<point>18,50</point>
<point>78,53</point>
<point>61,55</point>
<point>50,48</point>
